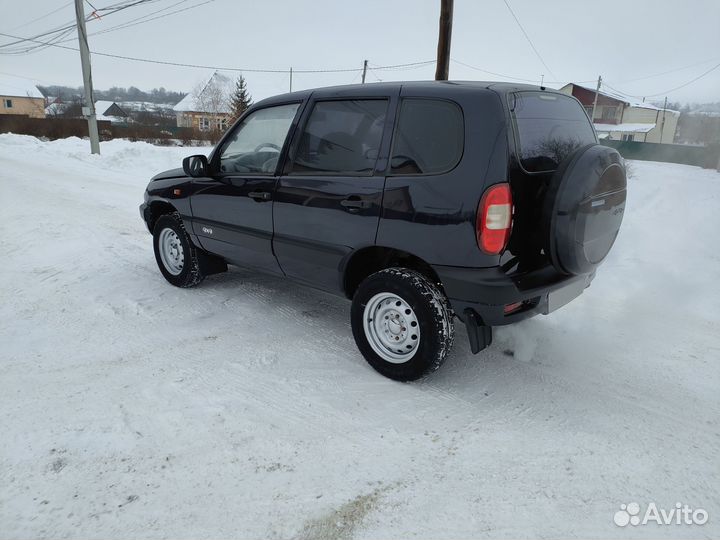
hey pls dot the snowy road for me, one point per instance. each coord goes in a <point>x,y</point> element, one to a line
<point>241,409</point>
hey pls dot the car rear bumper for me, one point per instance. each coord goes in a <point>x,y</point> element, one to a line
<point>487,291</point>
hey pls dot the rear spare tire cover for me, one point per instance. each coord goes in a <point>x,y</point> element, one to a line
<point>583,208</point>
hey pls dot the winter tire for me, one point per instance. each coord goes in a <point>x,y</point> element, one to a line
<point>177,258</point>
<point>402,323</point>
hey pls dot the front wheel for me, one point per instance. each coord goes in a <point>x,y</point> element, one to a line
<point>177,258</point>
<point>402,323</point>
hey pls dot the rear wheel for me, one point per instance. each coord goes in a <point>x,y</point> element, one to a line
<point>177,258</point>
<point>402,323</point>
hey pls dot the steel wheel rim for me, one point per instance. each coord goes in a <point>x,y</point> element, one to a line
<point>391,328</point>
<point>171,251</point>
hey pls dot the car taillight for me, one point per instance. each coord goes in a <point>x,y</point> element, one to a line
<point>494,219</point>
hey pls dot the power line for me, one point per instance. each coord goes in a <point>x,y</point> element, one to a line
<point>372,72</point>
<point>664,93</point>
<point>491,72</point>
<point>674,70</point>
<point>511,78</point>
<point>41,17</point>
<point>131,21</point>
<point>59,32</point>
<point>528,39</point>
<point>219,68</point>
<point>144,19</point>
<point>33,79</point>
<point>402,67</point>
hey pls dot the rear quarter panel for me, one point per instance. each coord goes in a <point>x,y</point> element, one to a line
<point>433,216</point>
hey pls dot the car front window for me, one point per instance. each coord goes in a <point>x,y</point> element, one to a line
<point>256,144</point>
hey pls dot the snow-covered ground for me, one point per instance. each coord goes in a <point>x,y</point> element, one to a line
<point>242,409</point>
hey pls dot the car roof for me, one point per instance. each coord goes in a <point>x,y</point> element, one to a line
<point>431,86</point>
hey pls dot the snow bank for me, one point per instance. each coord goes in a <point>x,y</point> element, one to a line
<point>136,160</point>
<point>241,408</point>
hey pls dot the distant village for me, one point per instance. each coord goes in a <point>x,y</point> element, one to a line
<point>205,113</point>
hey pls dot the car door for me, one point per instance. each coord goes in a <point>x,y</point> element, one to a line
<point>232,209</point>
<point>328,201</point>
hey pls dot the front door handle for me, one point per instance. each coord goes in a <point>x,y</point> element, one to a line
<point>260,195</point>
<point>353,204</point>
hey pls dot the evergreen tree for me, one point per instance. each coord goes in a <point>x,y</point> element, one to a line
<point>240,99</point>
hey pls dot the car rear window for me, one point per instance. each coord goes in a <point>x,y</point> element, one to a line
<point>549,127</point>
<point>429,137</point>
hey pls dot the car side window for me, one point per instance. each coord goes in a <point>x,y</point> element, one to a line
<point>429,137</point>
<point>341,137</point>
<point>256,144</point>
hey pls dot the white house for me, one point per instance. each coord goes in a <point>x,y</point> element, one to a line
<point>207,107</point>
<point>619,118</point>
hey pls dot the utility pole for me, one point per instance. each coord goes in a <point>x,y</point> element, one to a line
<point>291,79</point>
<point>597,91</point>
<point>89,109</point>
<point>662,124</point>
<point>442,70</point>
<point>364,71</point>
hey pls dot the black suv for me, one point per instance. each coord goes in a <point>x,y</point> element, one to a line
<point>420,201</point>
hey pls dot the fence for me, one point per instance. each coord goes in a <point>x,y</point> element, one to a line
<point>52,128</point>
<point>60,128</point>
<point>701,156</point>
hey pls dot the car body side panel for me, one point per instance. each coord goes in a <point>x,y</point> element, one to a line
<point>433,216</point>
<point>228,218</point>
<point>168,188</point>
<point>231,224</point>
<point>314,232</point>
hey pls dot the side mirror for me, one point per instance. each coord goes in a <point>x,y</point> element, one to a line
<point>195,166</point>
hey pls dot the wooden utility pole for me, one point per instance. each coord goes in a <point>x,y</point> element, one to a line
<point>89,108</point>
<point>291,79</point>
<point>442,70</point>
<point>597,91</point>
<point>662,125</point>
<point>364,71</point>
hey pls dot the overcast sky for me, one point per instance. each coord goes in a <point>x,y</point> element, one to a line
<point>623,40</point>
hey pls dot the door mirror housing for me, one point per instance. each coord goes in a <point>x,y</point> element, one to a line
<point>196,166</point>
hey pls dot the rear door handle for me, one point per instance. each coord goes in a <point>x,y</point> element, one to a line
<point>260,195</point>
<point>353,204</point>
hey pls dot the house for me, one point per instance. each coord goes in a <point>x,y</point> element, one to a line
<point>620,118</point>
<point>111,111</point>
<point>207,107</point>
<point>21,97</point>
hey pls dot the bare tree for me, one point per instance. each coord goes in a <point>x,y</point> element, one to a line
<point>214,100</point>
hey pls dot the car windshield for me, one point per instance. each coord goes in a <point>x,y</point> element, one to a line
<point>549,127</point>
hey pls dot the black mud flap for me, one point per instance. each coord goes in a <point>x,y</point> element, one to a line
<point>211,264</point>
<point>480,335</point>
